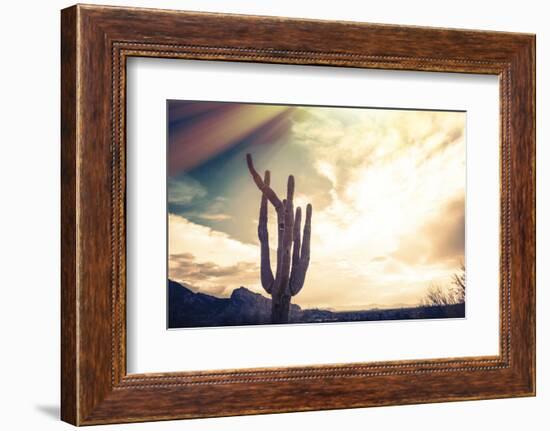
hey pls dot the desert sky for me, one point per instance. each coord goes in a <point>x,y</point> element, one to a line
<point>387,188</point>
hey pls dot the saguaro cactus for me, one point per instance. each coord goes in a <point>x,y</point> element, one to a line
<point>292,251</point>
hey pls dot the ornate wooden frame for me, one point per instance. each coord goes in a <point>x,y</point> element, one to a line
<point>95,42</point>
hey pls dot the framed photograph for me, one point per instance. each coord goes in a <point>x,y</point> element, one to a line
<point>264,215</point>
<point>366,265</point>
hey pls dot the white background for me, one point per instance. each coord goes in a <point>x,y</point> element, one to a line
<point>151,348</point>
<point>29,224</point>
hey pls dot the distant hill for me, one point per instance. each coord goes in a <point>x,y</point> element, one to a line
<point>187,309</point>
<point>244,307</point>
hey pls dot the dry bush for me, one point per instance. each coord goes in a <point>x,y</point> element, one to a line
<point>439,296</point>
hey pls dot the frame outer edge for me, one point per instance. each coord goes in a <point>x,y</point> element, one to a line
<point>532,101</point>
<point>533,54</point>
<point>69,202</point>
<point>523,207</point>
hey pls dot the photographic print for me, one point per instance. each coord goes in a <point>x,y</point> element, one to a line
<point>291,214</point>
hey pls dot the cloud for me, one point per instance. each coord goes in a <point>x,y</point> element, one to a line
<point>204,270</point>
<point>214,217</point>
<point>210,277</point>
<point>395,222</point>
<point>207,244</point>
<point>184,190</point>
<point>381,177</point>
<point>439,239</point>
<point>213,211</point>
<point>379,259</point>
<point>345,142</point>
<point>210,261</point>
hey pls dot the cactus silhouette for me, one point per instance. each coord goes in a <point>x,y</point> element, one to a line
<point>292,250</point>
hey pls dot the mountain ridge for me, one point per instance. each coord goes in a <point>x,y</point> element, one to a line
<point>188,309</point>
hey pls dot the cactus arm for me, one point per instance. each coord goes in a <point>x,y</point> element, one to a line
<point>299,271</point>
<point>285,241</point>
<point>264,188</point>
<point>287,232</point>
<point>289,216</point>
<point>266,275</point>
<point>304,254</point>
<point>280,227</point>
<point>296,248</point>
